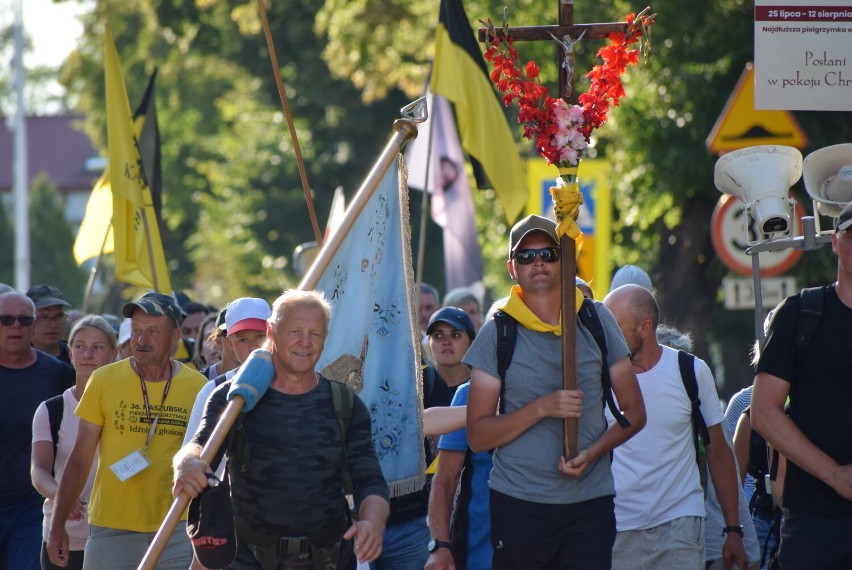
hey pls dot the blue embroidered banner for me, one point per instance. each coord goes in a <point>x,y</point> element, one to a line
<point>373,341</point>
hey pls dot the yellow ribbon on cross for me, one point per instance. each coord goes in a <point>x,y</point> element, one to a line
<point>566,206</point>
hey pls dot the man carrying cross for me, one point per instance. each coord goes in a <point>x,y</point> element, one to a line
<point>562,514</point>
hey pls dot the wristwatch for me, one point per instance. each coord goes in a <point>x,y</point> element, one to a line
<point>436,544</point>
<point>738,529</point>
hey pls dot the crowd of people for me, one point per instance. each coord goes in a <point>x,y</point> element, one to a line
<point>105,420</point>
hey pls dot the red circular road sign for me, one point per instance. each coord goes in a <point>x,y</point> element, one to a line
<point>731,237</point>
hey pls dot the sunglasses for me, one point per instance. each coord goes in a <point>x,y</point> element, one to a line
<point>527,256</point>
<point>9,320</point>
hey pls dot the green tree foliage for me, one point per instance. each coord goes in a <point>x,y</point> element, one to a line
<point>51,242</point>
<point>233,200</point>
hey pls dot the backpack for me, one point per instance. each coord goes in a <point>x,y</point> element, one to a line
<point>810,314</point>
<point>759,465</point>
<point>342,399</point>
<point>460,519</point>
<point>55,410</point>
<point>507,332</point>
<point>700,435</point>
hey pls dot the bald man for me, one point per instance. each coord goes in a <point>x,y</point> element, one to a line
<point>659,501</point>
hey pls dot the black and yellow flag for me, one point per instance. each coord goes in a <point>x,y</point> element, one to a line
<point>460,75</point>
<point>139,257</point>
<point>95,236</point>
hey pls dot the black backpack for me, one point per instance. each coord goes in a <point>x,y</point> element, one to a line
<point>810,314</point>
<point>759,465</point>
<point>700,435</point>
<point>55,410</point>
<point>506,336</point>
<point>507,332</point>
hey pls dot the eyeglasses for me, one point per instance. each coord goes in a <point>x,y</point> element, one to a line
<point>9,320</point>
<point>54,319</point>
<point>527,256</point>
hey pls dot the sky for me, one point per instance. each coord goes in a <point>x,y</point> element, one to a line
<point>54,29</point>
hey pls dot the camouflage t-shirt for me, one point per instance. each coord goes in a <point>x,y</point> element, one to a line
<point>290,481</point>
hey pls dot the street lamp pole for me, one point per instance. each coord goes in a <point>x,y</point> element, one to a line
<point>20,175</point>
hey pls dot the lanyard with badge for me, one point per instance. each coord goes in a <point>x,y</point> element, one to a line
<point>138,460</point>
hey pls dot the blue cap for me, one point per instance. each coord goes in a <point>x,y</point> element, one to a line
<point>453,316</point>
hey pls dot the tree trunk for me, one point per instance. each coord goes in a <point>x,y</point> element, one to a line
<point>685,279</point>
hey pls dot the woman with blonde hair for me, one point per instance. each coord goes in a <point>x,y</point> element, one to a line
<point>91,344</point>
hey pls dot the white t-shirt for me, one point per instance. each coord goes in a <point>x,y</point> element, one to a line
<point>78,531</point>
<point>656,477</point>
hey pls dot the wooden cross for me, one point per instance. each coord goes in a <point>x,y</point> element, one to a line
<point>566,34</point>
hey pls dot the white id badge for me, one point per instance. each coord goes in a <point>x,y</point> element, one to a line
<point>126,468</point>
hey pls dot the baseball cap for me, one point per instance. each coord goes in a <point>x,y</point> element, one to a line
<point>220,320</point>
<point>453,316</point>
<point>529,225</point>
<point>46,296</point>
<point>124,331</point>
<point>155,304</point>
<point>844,220</point>
<point>210,525</point>
<point>247,313</point>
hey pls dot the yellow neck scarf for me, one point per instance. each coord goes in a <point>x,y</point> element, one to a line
<point>518,310</point>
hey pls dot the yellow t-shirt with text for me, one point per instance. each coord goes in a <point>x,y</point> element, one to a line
<point>113,400</point>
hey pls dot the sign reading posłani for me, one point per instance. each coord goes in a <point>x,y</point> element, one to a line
<point>803,55</point>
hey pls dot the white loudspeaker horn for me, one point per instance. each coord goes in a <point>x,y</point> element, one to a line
<point>761,176</point>
<point>828,178</point>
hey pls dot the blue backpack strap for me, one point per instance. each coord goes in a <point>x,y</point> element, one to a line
<point>590,319</point>
<point>55,410</point>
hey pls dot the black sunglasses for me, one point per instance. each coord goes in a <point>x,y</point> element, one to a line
<point>527,256</point>
<point>9,320</point>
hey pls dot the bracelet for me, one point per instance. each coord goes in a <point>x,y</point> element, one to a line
<point>737,529</point>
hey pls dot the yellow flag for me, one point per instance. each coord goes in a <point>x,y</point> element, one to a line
<point>139,257</point>
<point>95,233</point>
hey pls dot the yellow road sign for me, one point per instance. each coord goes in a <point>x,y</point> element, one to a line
<point>740,125</point>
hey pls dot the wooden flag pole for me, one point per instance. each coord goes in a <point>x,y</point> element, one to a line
<point>94,272</point>
<point>276,70</point>
<point>404,130</point>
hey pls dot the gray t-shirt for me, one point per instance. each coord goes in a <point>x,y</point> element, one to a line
<point>526,468</point>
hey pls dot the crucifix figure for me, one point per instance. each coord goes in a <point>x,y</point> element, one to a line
<point>566,34</point>
<point>567,44</point>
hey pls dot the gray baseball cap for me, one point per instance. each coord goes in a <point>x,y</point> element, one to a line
<point>529,225</point>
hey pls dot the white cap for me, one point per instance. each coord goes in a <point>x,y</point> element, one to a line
<point>124,331</point>
<point>247,313</point>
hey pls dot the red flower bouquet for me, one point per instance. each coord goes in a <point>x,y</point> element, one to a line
<point>561,131</point>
